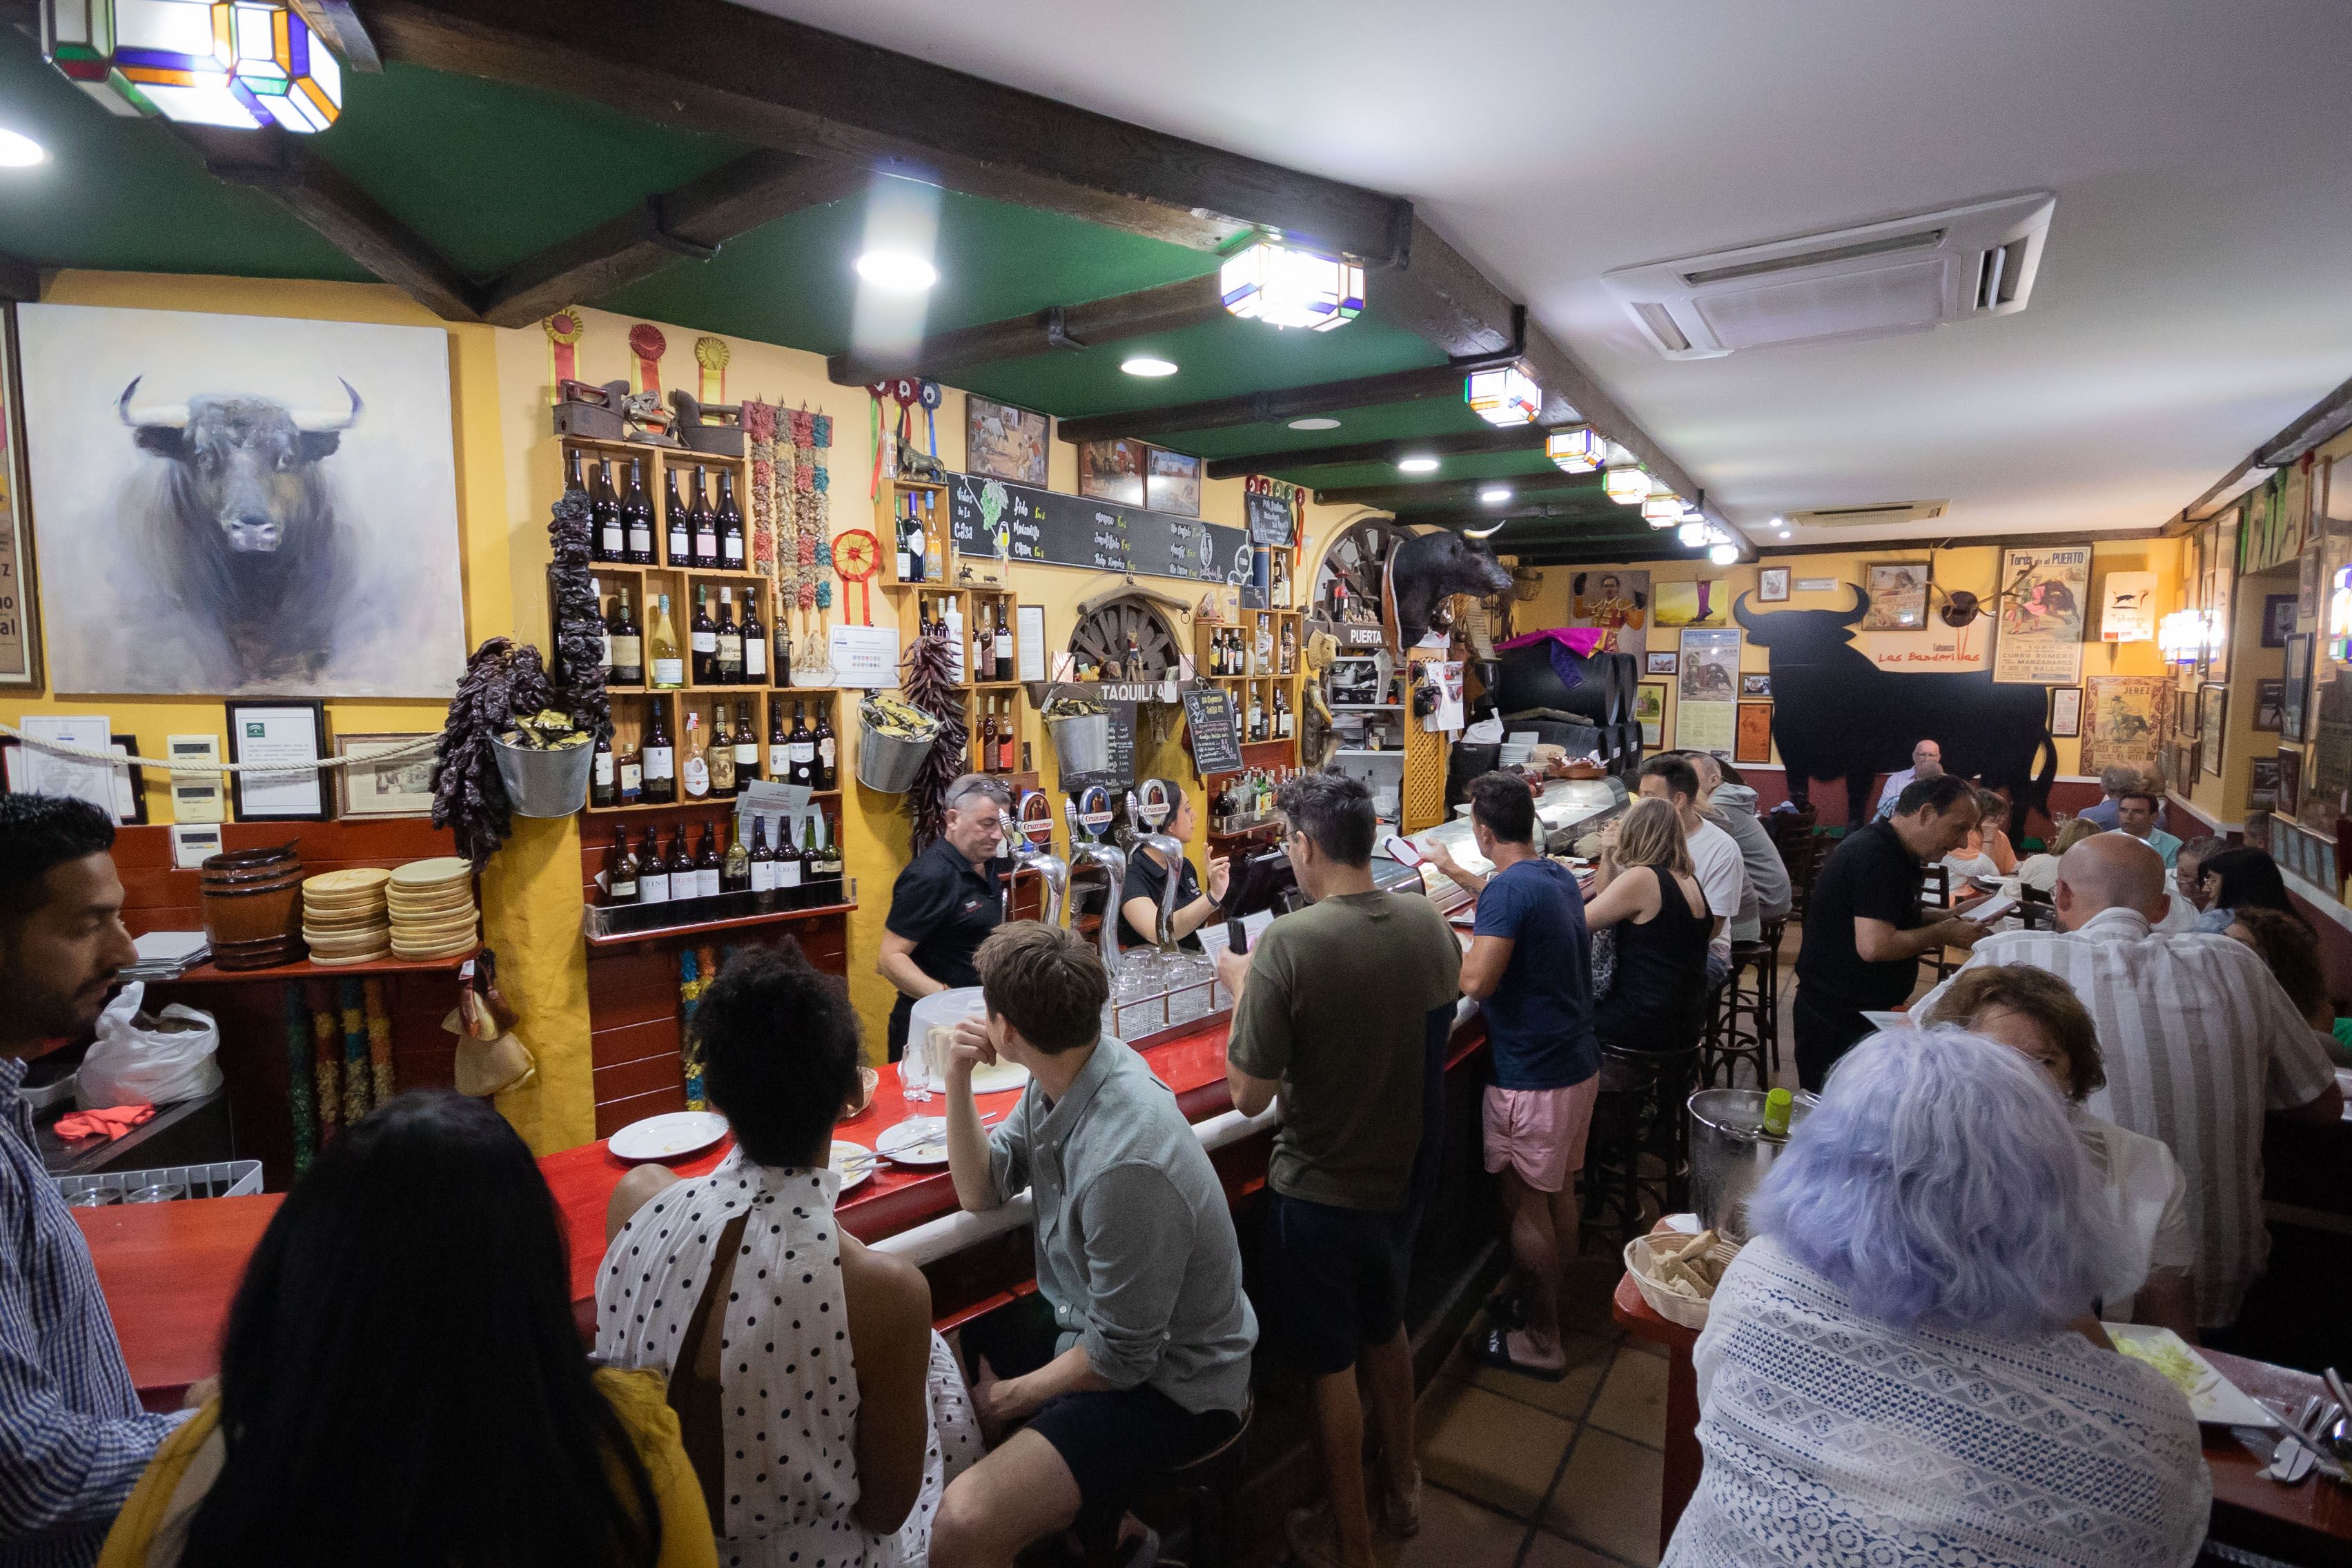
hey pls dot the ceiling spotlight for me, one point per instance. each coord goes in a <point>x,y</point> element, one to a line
<point>1782,524</point>
<point>1495,495</point>
<point>897,272</point>
<point>1724,554</point>
<point>1286,288</point>
<point>1145,364</point>
<point>18,151</point>
<point>1626,486</point>
<point>1318,423</point>
<point>1416,465</point>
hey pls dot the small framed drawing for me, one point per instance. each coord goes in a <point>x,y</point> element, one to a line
<point>1773,585</point>
<point>399,785</point>
<point>279,730</point>
<point>2065,712</point>
<point>2261,791</point>
<point>1666,663</point>
<point>2278,619</point>
<point>2212,702</point>
<point>2298,687</point>
<point>1758,683</point>
<point>2270,703</point>
<point>1752,741</point>
<point>1649,709</point>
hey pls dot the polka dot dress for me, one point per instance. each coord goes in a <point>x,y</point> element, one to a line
<point>787,1375</point>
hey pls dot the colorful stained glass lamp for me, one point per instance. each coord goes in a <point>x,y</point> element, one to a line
<point>1627,485</point>
<point>1505,397</point>
<point>243,64</point>
<point>1579,451</point>
<point>1286,288</point>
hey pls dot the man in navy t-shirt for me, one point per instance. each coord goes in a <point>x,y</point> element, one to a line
<point>1530,964</point>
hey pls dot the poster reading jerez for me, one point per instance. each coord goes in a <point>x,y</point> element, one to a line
<point>2043,597</point>
<point>2124,720</point>
<point>243,505</point>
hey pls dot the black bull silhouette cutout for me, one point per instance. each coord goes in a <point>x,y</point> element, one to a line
<point>1836,714</point>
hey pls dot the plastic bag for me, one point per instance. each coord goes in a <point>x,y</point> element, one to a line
<point>139,1059</point>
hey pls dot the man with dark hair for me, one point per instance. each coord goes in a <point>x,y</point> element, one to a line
<point>1726,802</point>
<point>1144,1362</point>
<point>2136,815</point>
<point>73,1437</point>
<point>1345,1006</point>
<point>1530,964</point>
<point>1864,932</point>
<point>1715,855</point>
<point>946,901</point>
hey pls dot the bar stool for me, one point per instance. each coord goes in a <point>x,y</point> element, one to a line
<point>1744,1015</point>
<point>1639,1151</point>
<point>1206,1490</point>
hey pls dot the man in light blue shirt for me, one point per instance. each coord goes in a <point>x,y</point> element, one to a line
<point>2135,815</point>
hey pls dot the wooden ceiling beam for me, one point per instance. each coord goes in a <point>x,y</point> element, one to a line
<point>1459,443</point>
<point>1266,407</point>
<point>729,70</point>
<point>689,223</point>
<point>1171,307</point>
<point>1431,494</point>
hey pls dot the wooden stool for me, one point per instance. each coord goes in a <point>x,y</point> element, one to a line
<point>1638,1150</point>
<point>1743,1015</point>
<point>1205,1490</point>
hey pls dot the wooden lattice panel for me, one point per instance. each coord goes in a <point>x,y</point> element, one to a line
<point>1425,752</point>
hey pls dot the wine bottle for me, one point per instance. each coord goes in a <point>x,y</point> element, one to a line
<point>681,865</point>
<point>604,784</point>
<point>632,778</point>
<point>620,870</point>
<point>910,542</point>
<point>755,641</point>
<point>735,868</point>
<point>678,524</point>
<point>572,479</point>
<point>1004,644</point>
<point>705,522</point>
<point>935,565</point>
<point>731,523</point>
<point>603,633</point>
<point>828,853</point>
<point>988,736</point>
<point>801,746</point>
<point>652,872</point>
<point>661,760</point>
<point>1005,734</point>
<point>668,665</point>
<point>826,777</point>
<point>730,641</point>
<point>763,864</point>
<point>722,754</point>
<point>746,749</point>
<point>694,772</point>
<point>705,865</point>
<point>605,512</point>
<point>702,638</point>
<point>779,748</point>
<point>627,661</point>
<point>808,848</point>
<point>637,515</point>
<point>788,857</point>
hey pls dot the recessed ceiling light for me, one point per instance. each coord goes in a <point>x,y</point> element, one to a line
<point>1495,495</point>
<point>1318,423</point>
<point>1416,465</point>
<point>897,272</point>
<point>1145,364</point>
<point>18,151</point>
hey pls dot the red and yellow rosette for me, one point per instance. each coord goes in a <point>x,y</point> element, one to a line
<point>564,330</point>
<point>710,357</point>
<point>647,346</point>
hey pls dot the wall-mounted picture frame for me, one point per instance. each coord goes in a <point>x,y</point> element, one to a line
<point>399,786</point>
<point>1773,585</point>
<point>2270,703</point>
<point>281,730</point>
<point>1005,442</point>
<point>2289,780</point>
<point>1756,683</point>
<point>2278,619</point>
<point>1897,591</point>
<point>2065,712</point>
<point>1113,470</point>
<point>1658,662</point>
<point>2213,706</point>
<point>1172,482</point>
<point>2296,701</point>
<point>1753,741</point>
<point>2261,791</point>
<point>1649,709</point>
<point>20,639</point>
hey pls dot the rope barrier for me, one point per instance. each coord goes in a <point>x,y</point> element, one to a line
<point>206,770</point>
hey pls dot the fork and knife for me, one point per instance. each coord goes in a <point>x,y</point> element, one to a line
<point>2313,1429</point>
<point>930,1148</point>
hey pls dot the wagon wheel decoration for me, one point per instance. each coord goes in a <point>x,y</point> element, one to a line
<point>1105,634</point>
<point>857,555</point>
<point>1355,565</point>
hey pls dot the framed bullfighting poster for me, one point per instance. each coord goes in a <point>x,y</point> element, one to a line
<point>2124,720</point>
<point>2043,593</point>
<point>20,639</point>
<point>272,504</point>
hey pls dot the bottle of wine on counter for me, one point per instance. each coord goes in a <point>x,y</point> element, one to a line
<point>780,746</point>
<point>702,638</point>
<point>681,864</point>
<point>668,665</point>
<point>604,513</point>
<point>661,760</point>
<point>746,749</point>
<point>808,847</point>
<point>628,657</point>
<point>678,524</point>
<point>722,754</point>
<point>788,856</point>
<point>705,522</point>
<point>1004,644</point>
<point>633,779</point>
<point>763,864</point>
<point>731,523</point>
<point>604,782</point>
<point>694,770</point>
<point>637,515</point>
<point>620,870</point>
<point>730,641</point>
<point>801,746</point>
<point>828,853</point>
<point>735,868</point>
<point>706,869</point>
<point>652,871</point>
<point>826,777</point>
<point>755,641</point>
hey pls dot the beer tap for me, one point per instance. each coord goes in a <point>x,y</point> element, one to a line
<point>1156,807</point>
<point>1089,820</point>
<point>1029,834</point>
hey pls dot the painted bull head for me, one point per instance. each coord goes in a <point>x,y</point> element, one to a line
<point>245,463</point>
<point>1801,629</point>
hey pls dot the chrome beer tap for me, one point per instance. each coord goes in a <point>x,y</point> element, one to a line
<point>1155,808</point>
<point>1029,835</point>
<point>1089,820</point>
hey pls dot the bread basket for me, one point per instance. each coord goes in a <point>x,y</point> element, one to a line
<point>1667,1304</point>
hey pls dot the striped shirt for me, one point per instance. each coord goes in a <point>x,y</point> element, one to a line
<point>2200,1044</point>
<point>72,1436</point>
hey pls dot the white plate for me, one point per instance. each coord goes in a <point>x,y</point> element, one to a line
<point>992,1080</point>
<point>668,1136</point>
<point>1886,1020</point>
<point>918,1141</point>
<point>2213,1399</point>
<point>853,1162</point>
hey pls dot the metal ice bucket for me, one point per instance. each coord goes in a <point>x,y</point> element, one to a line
<point>1730,1151</point>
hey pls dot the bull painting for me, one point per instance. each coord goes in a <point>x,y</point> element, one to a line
<point>1836,714</point>
<point>243,506</point>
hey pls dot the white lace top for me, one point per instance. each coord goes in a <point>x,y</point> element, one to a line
<point>1831,1438</point>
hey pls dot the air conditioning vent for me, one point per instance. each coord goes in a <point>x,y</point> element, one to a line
<point>1903,275</point>
<point>1886,515</point>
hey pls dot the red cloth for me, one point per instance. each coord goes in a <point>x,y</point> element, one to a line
<point>110,1122</point>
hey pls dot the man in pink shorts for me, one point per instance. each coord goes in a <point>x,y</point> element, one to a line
<point>1530,964</point>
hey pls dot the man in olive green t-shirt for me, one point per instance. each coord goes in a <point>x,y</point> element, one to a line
<point>1344,1006</point>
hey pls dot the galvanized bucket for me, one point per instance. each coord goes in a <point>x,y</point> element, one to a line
<point>889,762</point>
<point>1081,742</point>
<point>544,783</point>
<point>1730,1151</point>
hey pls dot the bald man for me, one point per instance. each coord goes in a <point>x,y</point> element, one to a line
<point>2201,1045</point>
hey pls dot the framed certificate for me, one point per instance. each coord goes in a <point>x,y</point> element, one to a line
<point>279,731</point>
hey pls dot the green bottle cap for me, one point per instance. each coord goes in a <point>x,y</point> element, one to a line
<point>1776,1106</point>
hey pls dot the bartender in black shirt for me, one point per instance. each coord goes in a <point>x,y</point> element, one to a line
<point>1864,931</point>
<point>946,901</point>
<point>1147,880</point>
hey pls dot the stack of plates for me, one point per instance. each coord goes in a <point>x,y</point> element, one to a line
<point>343,917</point>
<point>431,904</point>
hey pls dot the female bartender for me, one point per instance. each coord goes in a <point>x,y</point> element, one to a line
<point>946,901</point>
<point>1147,880</point>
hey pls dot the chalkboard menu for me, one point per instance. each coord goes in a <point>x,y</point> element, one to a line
<point>1122,751</point>
<point>1214,730</point>
<point>1057,530</point>
<point>1270,519</point>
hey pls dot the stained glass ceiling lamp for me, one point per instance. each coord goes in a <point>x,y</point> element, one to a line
<point>1286,288</point>
<point>1724,554</point>
<point>1504,397</point>
<point>1576,451</point>
<point>1628,486</point>
<point>241,64</point>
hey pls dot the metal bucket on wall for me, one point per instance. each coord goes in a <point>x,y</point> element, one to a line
<point>1730,1151</point>
<point>1081,742</point>
<point>544,783</point>
<point>889,762</point>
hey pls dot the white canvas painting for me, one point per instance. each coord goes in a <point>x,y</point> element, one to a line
<point>243,506</point>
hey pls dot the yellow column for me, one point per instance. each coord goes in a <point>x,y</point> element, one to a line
<point>531,916</point>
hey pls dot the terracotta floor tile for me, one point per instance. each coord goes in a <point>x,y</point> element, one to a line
<point>1632,1402</point>
<point>1497,1450</point>
<point>1548,1550</point>
<point>1587,1359</point>
<point>1610,1497</point>
<point>1454,1533</point>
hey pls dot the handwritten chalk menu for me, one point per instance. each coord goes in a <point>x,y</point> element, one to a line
<point>1269,519</point>
<point>1122,751</point>
<point>987,517</point>
<point>1213,727</point>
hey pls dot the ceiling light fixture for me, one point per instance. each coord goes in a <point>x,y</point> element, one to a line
<point>1148,365</point>
<point>897,272</point>
<point>1504,397</point>
<point>1576,451</point>
<point>1319,422</point>
<point>1627,485</point>
<point>1495,495</point>
<point>1416,465</point>
<point>242,64</point>
<point>1661,509</point>
<point>1724,554</point>
<point>1693,535</point>
<point>1286,288</point>
<point>18,151</point>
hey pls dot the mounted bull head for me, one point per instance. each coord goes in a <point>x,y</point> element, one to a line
<point>1800,628</point>
<point>245,464</point>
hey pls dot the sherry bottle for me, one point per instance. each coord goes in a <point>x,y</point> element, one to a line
<point>706,869</point>
<point>1004,644</point>
<point>628,646</point>
<point>604,514</point>
<point>694,771</point>
<point>668,667</point>
<point>763,865</point>
<point>637,515</point>
<point>808,847</point>
<point>735,869</point>
<point>678,524</point>
<point>780,747</point>
<point>722,754</point>
<point>604,782</point>
<point>988,737</point>
<point>731,523</point>
<point>730,641</point>
<point>620,870</point>
<point>705,523</point>
<point>661,762</point>
<point>633,778</point>
<point>826,775</point>
<point>755,641</point>
<point>681,865</point>
<point>788,857</point>
<point>746,749</point>
<point>702,636</point>
<point>603,632</point>
<point>1005,732</point>
<point>802,745</point>
<point>828,853</point>
<point>652,872</point>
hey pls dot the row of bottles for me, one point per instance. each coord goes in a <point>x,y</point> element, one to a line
<point>716,767</point>
<point>696,532</point>
<point>1232,651</point>
<point>991,645</point>
<point>723,650</point>
<point>1246,796</point>
<point>998,733</point>
<point>920,541</point>
<point>646,876</point>
<point>1261,723</point>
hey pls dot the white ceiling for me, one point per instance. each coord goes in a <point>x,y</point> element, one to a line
<point>2196,294</point>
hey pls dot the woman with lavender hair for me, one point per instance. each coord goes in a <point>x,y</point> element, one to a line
<point>1900,1369</point>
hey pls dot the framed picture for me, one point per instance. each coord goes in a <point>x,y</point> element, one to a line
<point>294,734</point>
<point>1650,708</point>
<point>2262,793</point>
<point>2289,780</point>
<point>2269,700</point>
<point>1898,596</point>
<point>399,786</point>
<point>2212,703</point>
<point>2298,695</point>
<point>1756,683</point>
<point>1772,585</point>
<point>2044,602</point>
<point>1754,740</point>
<point>1172,482</point>
<point>2278,619</point>
<point>20,640</point>
<point>1113,470</point>
<point>1660,663</point>
<point>1004,442</point>
<point>2065,710</point>
<point>2184,765</point>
